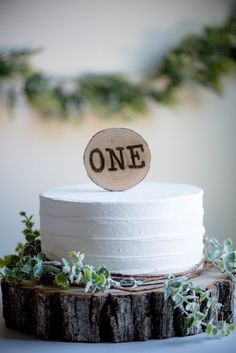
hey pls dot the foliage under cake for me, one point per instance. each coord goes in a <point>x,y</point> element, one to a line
<point>29,264</point>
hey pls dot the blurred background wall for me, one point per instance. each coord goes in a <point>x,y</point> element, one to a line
<point>193,142</point>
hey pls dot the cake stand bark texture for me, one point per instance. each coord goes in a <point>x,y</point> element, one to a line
<point>115,316</point>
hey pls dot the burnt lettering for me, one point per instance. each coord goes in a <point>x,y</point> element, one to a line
<point>135,156</point>
<point>102,160</point>
<point>113,157</point>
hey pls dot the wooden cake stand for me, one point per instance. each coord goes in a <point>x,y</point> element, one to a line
<point>114,316</point>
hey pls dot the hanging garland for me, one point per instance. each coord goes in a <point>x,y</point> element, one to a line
<point>198,58</point>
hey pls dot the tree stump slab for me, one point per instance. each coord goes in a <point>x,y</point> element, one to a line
<point>115,316</point>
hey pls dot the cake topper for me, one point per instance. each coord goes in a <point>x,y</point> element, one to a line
<point>117,158</point>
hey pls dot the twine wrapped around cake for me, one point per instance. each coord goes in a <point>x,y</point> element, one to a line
<point>137,282</point>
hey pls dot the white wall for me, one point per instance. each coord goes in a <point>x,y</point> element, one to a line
<point>193,142</point>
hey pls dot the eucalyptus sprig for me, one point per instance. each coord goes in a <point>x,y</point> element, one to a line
<point>75,272</point>
<point>30,264</point>
<point>27,268</point>
<point>221,256</point>
<point>196,302</point>
<point>69,272</point>
<point>31,247</point>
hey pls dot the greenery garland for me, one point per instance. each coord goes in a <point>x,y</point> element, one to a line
<point>30,264</point>
<point>198,58</point>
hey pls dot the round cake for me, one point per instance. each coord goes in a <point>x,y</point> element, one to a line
<point>152,228</point>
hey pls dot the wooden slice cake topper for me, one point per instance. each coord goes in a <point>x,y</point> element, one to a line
<point>117,159</point>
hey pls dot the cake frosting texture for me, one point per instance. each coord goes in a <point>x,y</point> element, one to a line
<point>152,228</point>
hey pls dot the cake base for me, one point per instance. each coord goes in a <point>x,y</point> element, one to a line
<point>115,316</point>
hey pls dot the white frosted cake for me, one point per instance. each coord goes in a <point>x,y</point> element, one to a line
<point>152,228</point>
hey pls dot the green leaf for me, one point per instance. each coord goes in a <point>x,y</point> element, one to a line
<point>230,261</point>
<point>203,298</point>
<point>88,285</point>
<point>193,307</point>
<point>87,273</point>
<point>40,257</point>
<point>176,285</point>
<point>27,269</point>
<point>167,292</point>
<point>199,289</point>
<point>95,276</point>
<point>19,248</point>
<point>177,298</point>
<point>228,245</point>
<point>104,270</point>
<point>61,280</point>
<point>10,278</point>
<point>209,329</point>
<point>22,213</point>
<point>102,280</point>
<point>78,278</point>
<point>214,331</point>
<point>9,261</point>
<point>190,322</point>
<point>67,266</point>
<point>72,254</point>
<point>38,270</point>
